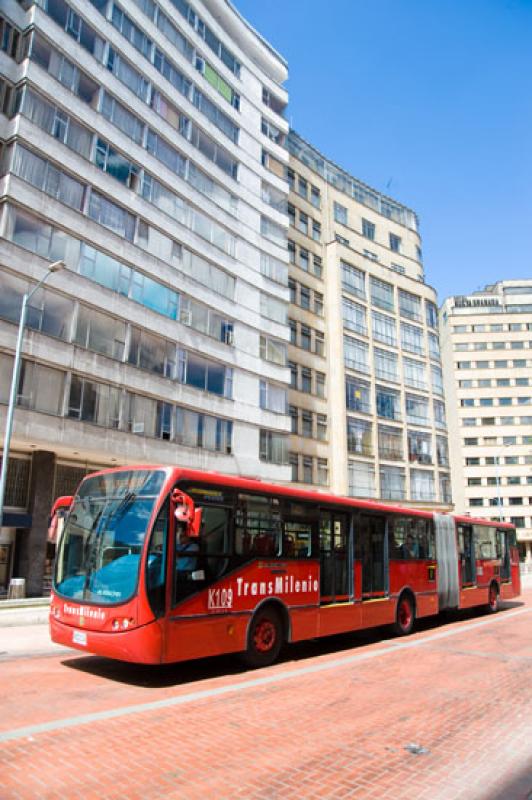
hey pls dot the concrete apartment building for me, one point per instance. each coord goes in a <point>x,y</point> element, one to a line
<point>487,354</point>
<point>133,151</point>
<point>366,398</point>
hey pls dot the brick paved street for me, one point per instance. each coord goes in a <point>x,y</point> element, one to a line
<point>445,713</point>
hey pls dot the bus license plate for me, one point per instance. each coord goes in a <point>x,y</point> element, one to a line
<point>79,637</point>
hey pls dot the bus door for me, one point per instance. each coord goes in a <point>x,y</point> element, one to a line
<point>372,547</point>
<point>336,563</point>
<point>503,550</point>
<point>466,555</point>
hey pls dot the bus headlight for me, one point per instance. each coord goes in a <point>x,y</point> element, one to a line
<point>122,623</point>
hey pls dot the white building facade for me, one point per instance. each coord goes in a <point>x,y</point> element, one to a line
<point>133,148</point>
<point>487,357</point>
<point>367,401</point>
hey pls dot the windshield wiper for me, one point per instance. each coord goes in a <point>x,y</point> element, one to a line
<point>123,505</point>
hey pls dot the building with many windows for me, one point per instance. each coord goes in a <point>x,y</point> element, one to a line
<point>134,137</point>
<point>487,354</point>
<point>366,395</point>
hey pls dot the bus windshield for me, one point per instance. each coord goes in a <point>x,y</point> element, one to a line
<point>99,553</point>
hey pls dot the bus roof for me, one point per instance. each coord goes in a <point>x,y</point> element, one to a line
<point>258,485</point>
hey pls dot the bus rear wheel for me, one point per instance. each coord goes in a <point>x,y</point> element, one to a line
<point>493,599</point>
<point>265,639</point>
<point>405,616</point>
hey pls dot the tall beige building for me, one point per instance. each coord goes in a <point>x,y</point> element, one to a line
<point>366,398</point>
<point>486,347</point>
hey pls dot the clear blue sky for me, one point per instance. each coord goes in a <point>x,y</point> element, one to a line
<point>429,101</point>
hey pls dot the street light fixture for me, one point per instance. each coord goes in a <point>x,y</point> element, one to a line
<point>54,267</point>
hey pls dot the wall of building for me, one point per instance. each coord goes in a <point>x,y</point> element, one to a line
<point>486,344</point>
<point>134,153</point>
<point>379,321</point>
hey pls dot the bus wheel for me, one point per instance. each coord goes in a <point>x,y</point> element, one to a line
<point>265,639</point>
<point>493,599</point>
<point>405,615</point>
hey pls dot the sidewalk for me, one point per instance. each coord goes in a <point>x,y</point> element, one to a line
<point>30,611</point>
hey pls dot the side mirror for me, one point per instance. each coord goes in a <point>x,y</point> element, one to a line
<point>186,513</point>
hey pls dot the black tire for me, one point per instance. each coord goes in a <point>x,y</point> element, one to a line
<point>265,639</point>
<point>493,598</point>
<point>405,616</point>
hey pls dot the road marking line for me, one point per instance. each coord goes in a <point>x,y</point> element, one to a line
<point>202,694</point>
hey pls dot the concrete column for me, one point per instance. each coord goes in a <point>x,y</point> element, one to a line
<point>32,552</point>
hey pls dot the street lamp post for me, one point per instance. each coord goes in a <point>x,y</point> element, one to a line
<point>55,267</point>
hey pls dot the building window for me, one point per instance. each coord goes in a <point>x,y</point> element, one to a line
<point>409,305</point>
<point>414,373</point>
<point>386,365</point>
<point>354,316</point>
<point>381,294</point>
<point>294,419</point>
<point>294,464</point>
<point>417,409</point>
<point>305,337</point>
<point>442,452</point>
<point>353,280</point>
<point>422,485</point>
<point>361,477</point>
<point>340,213</point>
<point>419,447</point>
<point>302,187</point>
<point>322,475</point>
<point>273,398</point>
<point>307,469</point>
<point>306,424</point>
<point>390,443</point>
<point>356,354</point>
<point>368,229</point>
<point>395,243</point>
<point>412,339</point>
<point>388,403</point>
<point>359,437</point>
<point>273,447</point>
<point>384,329</point>
<point>392,483</point>
<point>357,395</point>
<point>432,315</point>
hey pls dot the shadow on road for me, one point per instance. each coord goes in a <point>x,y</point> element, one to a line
<point>162,676</point>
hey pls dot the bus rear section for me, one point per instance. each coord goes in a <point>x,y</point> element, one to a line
<point>478,562</point>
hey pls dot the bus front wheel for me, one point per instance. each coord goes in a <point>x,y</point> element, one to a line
<point>265,639</point>
<point>405,616</point>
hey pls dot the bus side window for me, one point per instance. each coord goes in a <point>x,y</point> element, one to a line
<point>399,527</point>
<point>418,529</point>
<point>257,526</point>
<point>156,562</point>
<point>300,529</point>
<point>215,529</point>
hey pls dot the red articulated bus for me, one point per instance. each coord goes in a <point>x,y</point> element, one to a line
<point>159,565</point>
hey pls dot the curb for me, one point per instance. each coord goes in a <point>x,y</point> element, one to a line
<point>28,611</point>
